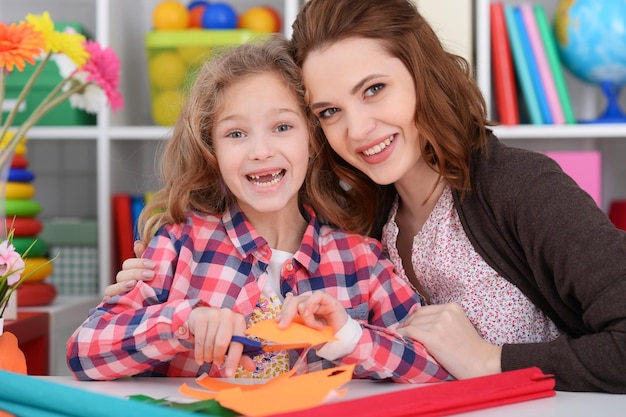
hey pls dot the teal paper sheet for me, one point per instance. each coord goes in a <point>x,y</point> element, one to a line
<point>29,396</point>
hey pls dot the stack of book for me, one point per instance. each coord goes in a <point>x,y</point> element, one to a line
<point>126,209</point>
<point>529,83</point>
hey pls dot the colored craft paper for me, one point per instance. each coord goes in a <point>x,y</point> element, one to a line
<point>295,392</point>
<point>585,167</point>
<point>296,332</point>
<point>445,398</point>
<point>212,386</point>
<point>30,396</point>
<point>283,394</point>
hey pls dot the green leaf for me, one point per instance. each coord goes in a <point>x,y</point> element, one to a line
<point>205,407</point>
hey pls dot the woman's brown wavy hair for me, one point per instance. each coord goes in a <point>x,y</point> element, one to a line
<point>189,169</point>
<point>451,113</point>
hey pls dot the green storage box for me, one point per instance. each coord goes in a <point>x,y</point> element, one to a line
<point>175,56</point>
<point>75,243</point>
<point>63,114</point>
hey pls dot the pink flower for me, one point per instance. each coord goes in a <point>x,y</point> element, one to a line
<point>11,263</point>
<point>103,67</point>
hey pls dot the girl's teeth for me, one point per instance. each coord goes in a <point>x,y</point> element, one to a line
<point>378,148</point>
<point>266,180</point>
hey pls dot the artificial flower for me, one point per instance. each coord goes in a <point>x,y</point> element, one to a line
<point>20,43</point>
<point>11,269</point>
<point>11,263</point>
<point>68,43</point>
<point>103,67</point>
<point>35,39</point>
<point>92,98</point>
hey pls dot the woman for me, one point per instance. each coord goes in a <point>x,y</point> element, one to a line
<point>519,265</point>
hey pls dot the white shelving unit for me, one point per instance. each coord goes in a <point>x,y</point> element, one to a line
<point>587,100</point>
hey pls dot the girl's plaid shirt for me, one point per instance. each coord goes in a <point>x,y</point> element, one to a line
<point>222,262</point>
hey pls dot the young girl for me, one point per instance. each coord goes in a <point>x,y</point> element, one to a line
<point>238,235</point>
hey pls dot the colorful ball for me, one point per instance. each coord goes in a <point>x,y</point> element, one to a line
<point>166,107</point>
<point>196,10</point>
<point>166,70</point>
<point>260,19</point>
<point>194,55</point>
<point>170,15</point>
<point>219,16</point>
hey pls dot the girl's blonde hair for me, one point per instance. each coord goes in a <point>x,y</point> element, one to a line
<point>451,112</point>
<point>189,169</point>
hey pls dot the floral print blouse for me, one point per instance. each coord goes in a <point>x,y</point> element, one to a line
<point>447,266</point>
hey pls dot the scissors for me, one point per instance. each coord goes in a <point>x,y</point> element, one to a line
<point>254,347</point>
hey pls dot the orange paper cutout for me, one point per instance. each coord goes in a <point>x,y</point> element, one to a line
<point>296,332</point>
<point>215,385</point>
<point>286,394</point>
<point>198,394</point>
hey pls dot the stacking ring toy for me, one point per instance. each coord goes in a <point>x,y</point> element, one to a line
<point>37,268</point>
<point>25,226</point>
<point>19,161</point>
<point>21,244</point>
<point>35,294</point>
<point>20,175</point>
<point>19,190</point>
<point>21,148</point>
<point>21,208</point>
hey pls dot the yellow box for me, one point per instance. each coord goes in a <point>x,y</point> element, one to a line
<point>174,57</point>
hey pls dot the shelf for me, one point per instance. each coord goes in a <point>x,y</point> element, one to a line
<point>578,131</point>
<point>63,132</point>
<point>140,132</point>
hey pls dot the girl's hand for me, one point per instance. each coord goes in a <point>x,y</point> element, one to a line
<point>133,270</point>
<point>450,337</point>
<point>316,310</point>
<point>213,329</point>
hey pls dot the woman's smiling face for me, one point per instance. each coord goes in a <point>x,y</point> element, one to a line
<point>365,101</point>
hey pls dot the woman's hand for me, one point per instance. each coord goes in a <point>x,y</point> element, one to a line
<point>213,329</point>
<point>316,310</point>
<point>133,270</point>
<point>450,337</point>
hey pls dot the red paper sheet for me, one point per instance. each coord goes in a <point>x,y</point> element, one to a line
<point>445,398</point>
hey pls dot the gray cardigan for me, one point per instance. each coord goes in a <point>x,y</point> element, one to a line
<point>535,226</point>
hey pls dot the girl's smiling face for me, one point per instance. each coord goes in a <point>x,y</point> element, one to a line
<point>261,141</point>
<point>365,101</point>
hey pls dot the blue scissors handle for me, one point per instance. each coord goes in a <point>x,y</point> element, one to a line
<point>250,347</point>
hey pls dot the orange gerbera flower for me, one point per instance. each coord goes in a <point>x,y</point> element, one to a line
<point>19,43</point>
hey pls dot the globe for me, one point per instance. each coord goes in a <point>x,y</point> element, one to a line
<point>591,40</point>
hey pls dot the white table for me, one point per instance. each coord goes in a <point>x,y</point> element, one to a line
<point>564,404</point>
